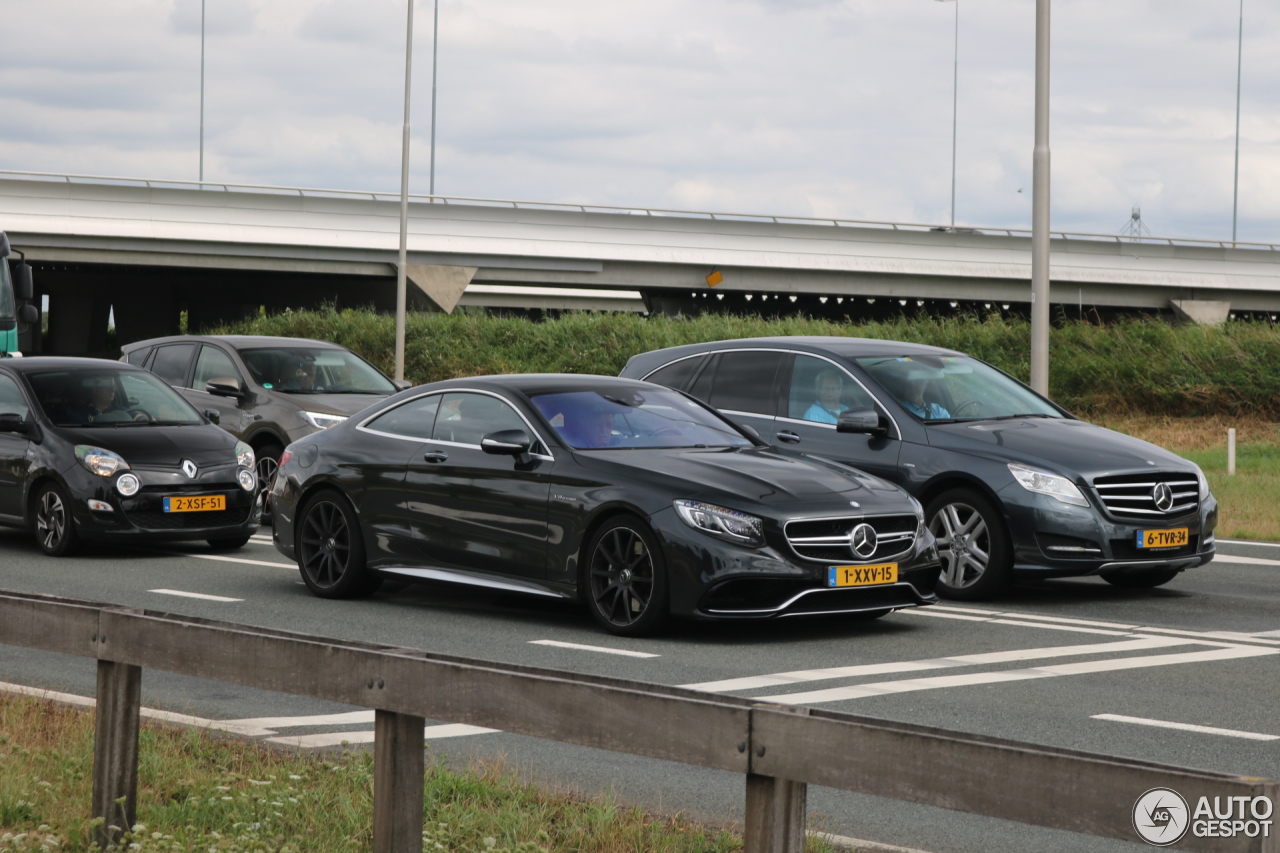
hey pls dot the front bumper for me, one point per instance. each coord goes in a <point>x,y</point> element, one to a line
<point>714,579</point>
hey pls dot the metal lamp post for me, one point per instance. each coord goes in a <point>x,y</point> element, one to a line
<point>955,95</point>
<point>202,92</point>
<point>1235,187</point>
<point>1040,210</point>
<point>401,294</point>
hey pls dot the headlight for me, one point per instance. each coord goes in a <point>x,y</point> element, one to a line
<point>244,455</point>
<point>128,485</point>
<point>104,463</point>
<point>1204,483</point>
<point>321,420</point>
<point>724,523</point>
<point>1044,483</point>
<point>247,480</point>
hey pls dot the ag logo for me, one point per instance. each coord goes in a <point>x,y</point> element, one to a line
<point>1161,817</point>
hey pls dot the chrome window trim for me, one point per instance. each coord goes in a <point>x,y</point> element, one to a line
<point>537,435</point>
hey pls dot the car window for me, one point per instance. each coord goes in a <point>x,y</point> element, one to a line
<point>466,418</point>
<point>139,356</point>
<point>11,400</point>
<point>212,364</point>
<point>314,370</point>
<point>676,374</point>
<point>171,363</point>
<point>955,387</point>
<point>820,391</point>
<point>702,385</point>
<point>414,419</point>
<point>93,396</point>
<point>744,382</point>
<point>612,418</point>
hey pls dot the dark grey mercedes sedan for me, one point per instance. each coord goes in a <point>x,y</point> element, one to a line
<point>1012,484</point>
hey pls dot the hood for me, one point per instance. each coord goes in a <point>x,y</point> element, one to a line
<point>752,474</point>
<point>330,404</point>
<point>159,446</point>
<point>1070,446</point>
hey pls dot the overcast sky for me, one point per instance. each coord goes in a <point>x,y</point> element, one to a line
<point>801,107</point>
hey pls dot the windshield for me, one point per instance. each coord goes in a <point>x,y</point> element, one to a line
<point>6,291</point>
<point>93,397</point>
<point>314,370</point>
<point>955,388</point>
<point>627,419</point>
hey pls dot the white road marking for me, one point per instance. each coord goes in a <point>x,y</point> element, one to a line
<point>804,675</point>
<point>202,596</point>
<point>1032,620</point>
<point>1018,619</point>
<point>602,649</point>
<point>240,727</point>
<point>335,738</point>
<point>291,566</point>
<point>1250,542</point>
<point>1265,634</point>
<point>349,718</point>
<point>1254,561</point>
<point>838,694</point>
<point>262,537</point>
<point>1185,727</point>
<point>942,614</point>
<point>1055,626</point>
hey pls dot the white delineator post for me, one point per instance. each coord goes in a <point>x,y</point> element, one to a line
<point>1231,450</point>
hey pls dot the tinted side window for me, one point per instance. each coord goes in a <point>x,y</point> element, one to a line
<point>139,355</point>
<point>820,391</point>
<point>414,419</point>
<point>676,374</point>
<point>171,363</point>
<point>11,400</point>
<point>744,382</point>
<point>702,385</point>
<point>467,418</point>
<point>212,364</point>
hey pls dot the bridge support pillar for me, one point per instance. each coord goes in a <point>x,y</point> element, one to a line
<point>1201,311</point>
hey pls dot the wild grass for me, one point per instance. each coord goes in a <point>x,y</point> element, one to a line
<point>1129,367</point>
<point>201,792</point>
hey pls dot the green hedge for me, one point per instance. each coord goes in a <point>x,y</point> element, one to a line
<point>1127,367</point>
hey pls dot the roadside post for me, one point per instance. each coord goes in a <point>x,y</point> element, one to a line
<point>1231,450</point>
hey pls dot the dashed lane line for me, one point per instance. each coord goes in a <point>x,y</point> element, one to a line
<point>200,595</point>
<point>602,649</point>
<point>1253,561</point>
<point>446,730</point>
<point>839,694</point>
<point>1249,542</point>
<point>984,658</point>
<point>1184,727</point>
<point>246,560</point>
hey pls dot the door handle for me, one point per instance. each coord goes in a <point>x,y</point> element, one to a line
<point>788,437</point>
<point>435,456</point>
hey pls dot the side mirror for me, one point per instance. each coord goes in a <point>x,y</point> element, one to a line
<point>402,384</point>
<point>213,415</point>
<point>507,442</point>
<point>864,421</point>
<point>13,422</point>
<point>22,287</point>
<point>28,314</point>
<point>224,386</point>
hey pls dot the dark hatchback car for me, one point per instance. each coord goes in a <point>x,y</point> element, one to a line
<point>626,495</point>
<point>1012,484</point>
<point>95,450</point>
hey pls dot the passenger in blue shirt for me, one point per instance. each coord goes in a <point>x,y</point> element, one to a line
<point>827,408</point>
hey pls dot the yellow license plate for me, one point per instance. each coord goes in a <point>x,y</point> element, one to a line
<point>1175,538</point>
<point>203,503</point>
<point>862,575</point>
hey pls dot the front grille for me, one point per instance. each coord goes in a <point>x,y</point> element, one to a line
<point>1134,495</point>
<point>154,520</point>
<point>828,539</point>
<point>1127,549</point>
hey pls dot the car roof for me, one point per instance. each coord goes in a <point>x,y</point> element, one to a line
<point>236,341</point>
<point>33,363</point>
<point>837,345</point>
<point>530,384</point>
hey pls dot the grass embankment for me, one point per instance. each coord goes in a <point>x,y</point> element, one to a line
<point>201,792</point>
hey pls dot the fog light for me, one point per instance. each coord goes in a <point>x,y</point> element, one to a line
<point>100,506</point>
<point>128,485</point>
<point>247,480</point>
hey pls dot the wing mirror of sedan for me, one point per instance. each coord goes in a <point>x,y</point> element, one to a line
<point>402,384</point>
<point>864,421</point>
<point>214,416</point>
<point>507,442</point>
<point>224,386</point>
<point>11,422</point>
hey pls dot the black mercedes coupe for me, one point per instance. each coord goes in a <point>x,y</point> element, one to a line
<point>633,498</point>
<point>94,450</point>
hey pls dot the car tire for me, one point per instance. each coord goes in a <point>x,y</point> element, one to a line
<point>973,544</point>
<point>51,521</point>
<point>268,456</point>
<point>1149,579</point>
<point>230,543</point>
<point>330,548</point>
<point>625,578</point>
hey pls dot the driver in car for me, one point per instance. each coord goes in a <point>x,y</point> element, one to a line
<point>97,400</point>
<point>589,428</point>
<point>909,390</point>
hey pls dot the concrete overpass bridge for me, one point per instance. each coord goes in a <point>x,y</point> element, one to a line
<point>149,249</point>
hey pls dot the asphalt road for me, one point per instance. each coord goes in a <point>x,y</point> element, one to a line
<point>1204,651</point>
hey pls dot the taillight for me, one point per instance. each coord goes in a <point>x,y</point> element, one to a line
<point>285,457</point>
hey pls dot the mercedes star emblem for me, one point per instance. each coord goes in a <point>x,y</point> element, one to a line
<point>189,468</point>
<point>1163,496</point>
<point>863,540</point>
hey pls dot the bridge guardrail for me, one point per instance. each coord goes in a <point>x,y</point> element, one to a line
<point>779,749</point>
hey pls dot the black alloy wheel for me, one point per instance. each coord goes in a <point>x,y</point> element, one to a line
<point>51,521</point>
<point>973,544</point>
<point>268,461</point>
<point>230,543</point>
<point>1146,579</point>
<point>626,579</point>
<point>331,548</point>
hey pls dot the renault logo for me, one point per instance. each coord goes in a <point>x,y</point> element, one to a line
<point>1163,496</point>
<point>189,468</point>
<point>863,540</point>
